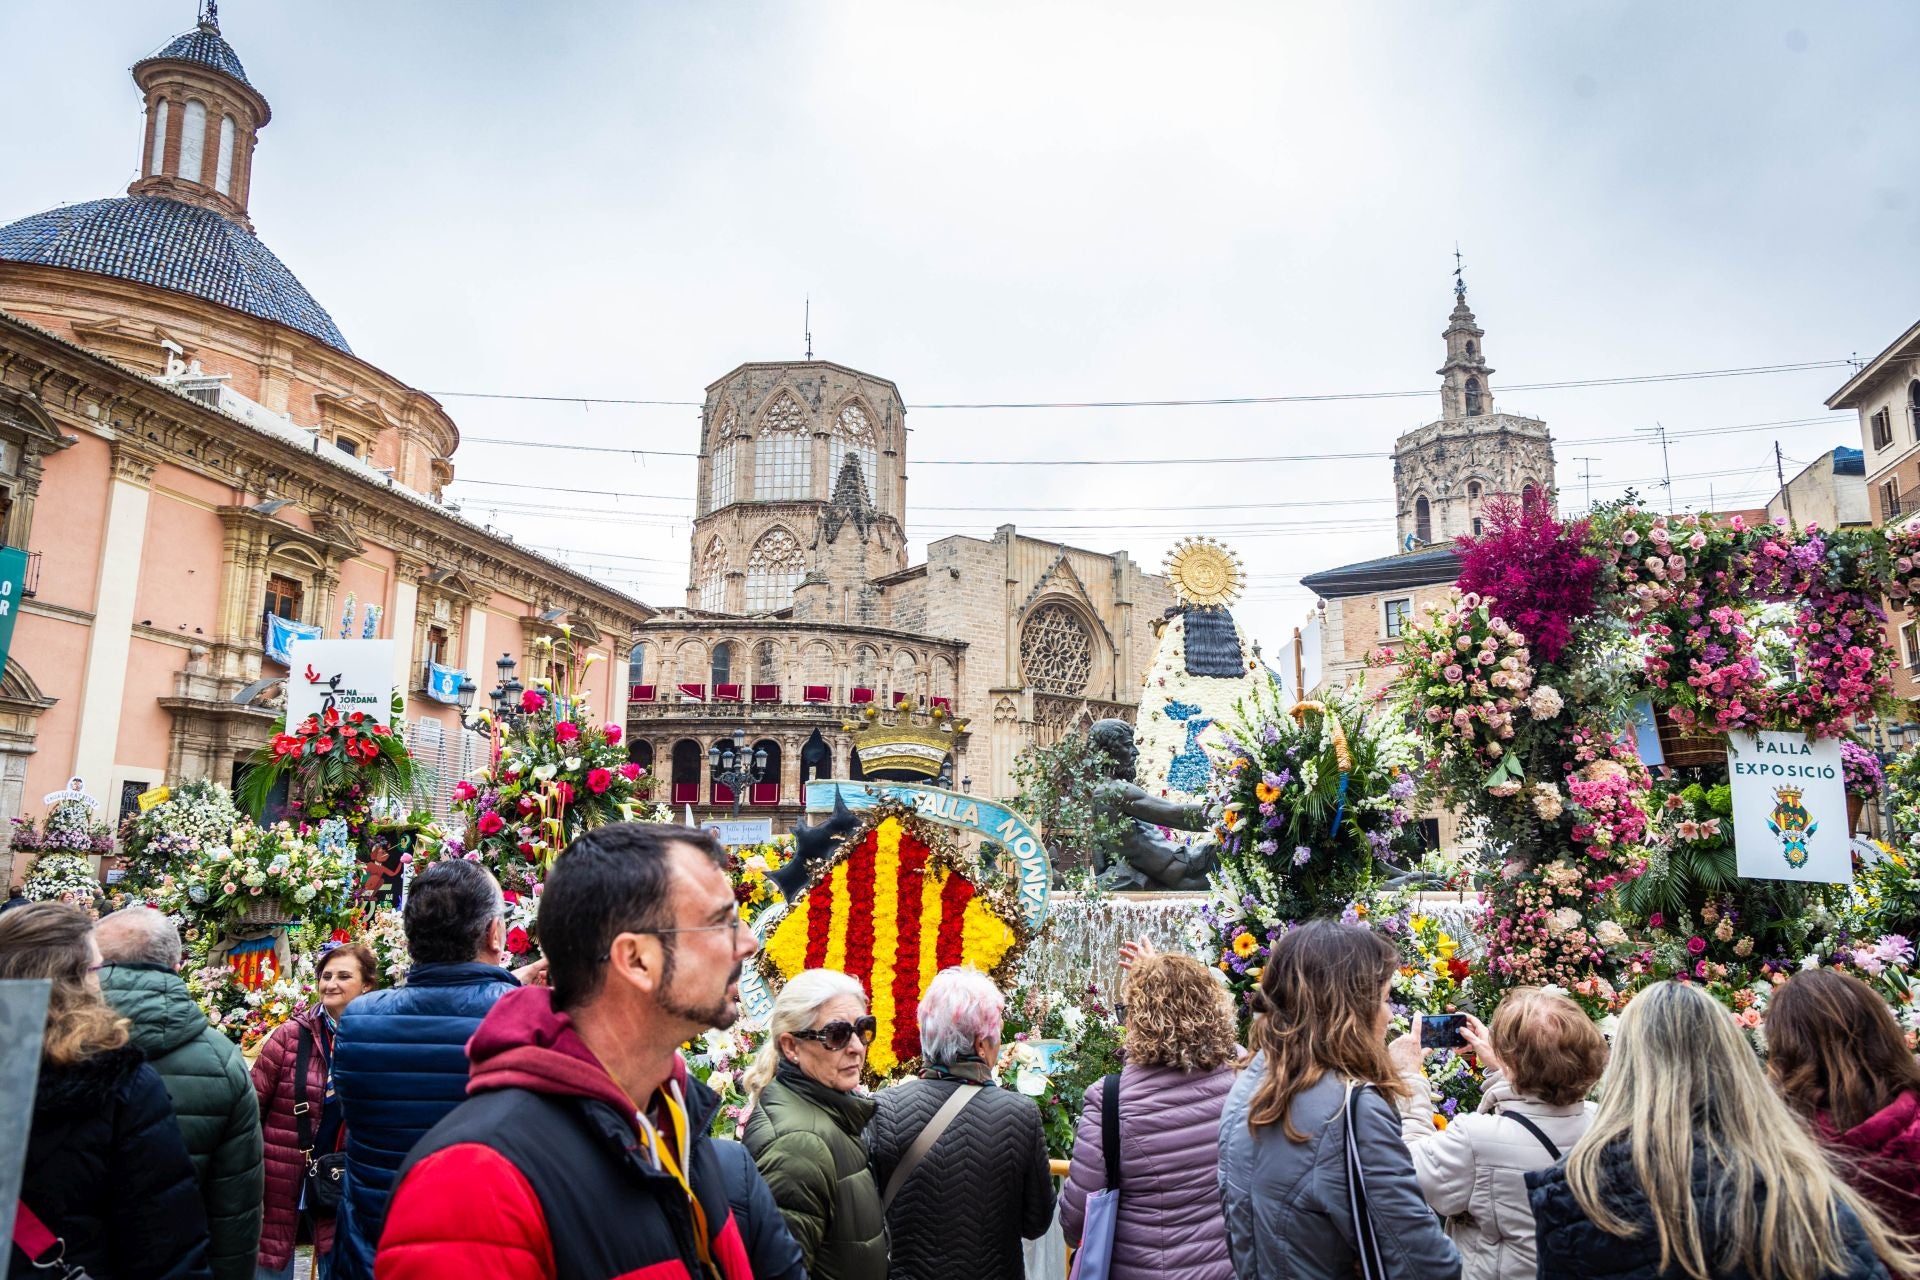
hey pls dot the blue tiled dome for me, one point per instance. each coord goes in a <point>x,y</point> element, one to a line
<point>206,46</point>
<point>175,246</point>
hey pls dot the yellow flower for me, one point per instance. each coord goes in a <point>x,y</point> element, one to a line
<point>1266,794</point>
<point>1446,946</point>
<point>1439,1121</point>
<point>1245,945</point>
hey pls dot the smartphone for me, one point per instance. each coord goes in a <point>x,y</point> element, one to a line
<point>1442,1030</point>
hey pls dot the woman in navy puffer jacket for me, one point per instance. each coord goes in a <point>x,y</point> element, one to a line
<point>1180,1051</point>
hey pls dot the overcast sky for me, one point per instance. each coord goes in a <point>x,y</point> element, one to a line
<point>1049,201</point>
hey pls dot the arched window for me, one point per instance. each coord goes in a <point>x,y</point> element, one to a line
<point>816,665</point>
<point>193,141</point>
<point>637,663</point>
<point>1423,519</point>
<point>157,158</point>
<point>687,757</point>
<point>774,569</point>
<point>1473,490</point>
<point>766,663</point>
<point>640,752</point>
<point>690,663</point>
<point>905,670</point>
<point>1529,497</point>
<point>721,462</point>
<point>223,163</point>
<point>713,578</point>
<point>1473,397</point>
<point>783,455</point>
<point>865,661</point>
<point>723,663</point>
<point>942,678</point>
<point>767,791</point>
<point>853,436</point>
<point>1471,349</point>
<point>816,759</point>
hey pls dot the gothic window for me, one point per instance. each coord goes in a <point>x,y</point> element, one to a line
<point>723,663</point>
<point>713,578</point>
<point>1473,397</point>
<point>1529,496</point>
<point>774,569</point>
<point>783,455</point>
<point>766,663</point>
<point>223,164</point>
<point>720,482</point>
<point>1473,490</point>
<point>853,435</point>
<point>1423,519</point>
<point>1056,651</point>
<point>1471,349</point>
<point>157,161</point>
<point>193,141</point>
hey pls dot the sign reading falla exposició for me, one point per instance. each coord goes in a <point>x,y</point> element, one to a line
<point>1789,807</point>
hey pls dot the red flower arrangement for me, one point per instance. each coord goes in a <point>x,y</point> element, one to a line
<point>1536,571</point>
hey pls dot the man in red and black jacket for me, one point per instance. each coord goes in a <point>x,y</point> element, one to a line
<point>581,1150</point>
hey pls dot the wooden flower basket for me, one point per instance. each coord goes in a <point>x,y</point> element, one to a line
<point>1688,748</point>
<point>265,911</point>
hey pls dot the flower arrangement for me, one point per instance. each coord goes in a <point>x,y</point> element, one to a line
<point>894,907</point>
<point>261,865</point>
<point>334,765</point>
<point>1312,800</point>
<point>718,1059</point>
<point>1469,677</point>
<point>68,828</point>
<point>749,868</point>
<point>1865,777</point>
<point>248,1014</point>
<point>194,815</point>
<point>62,877</point>
<point>1542,571</point>
<point>1062,1044</point>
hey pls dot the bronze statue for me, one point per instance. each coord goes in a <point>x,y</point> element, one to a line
<point>1146,859</point>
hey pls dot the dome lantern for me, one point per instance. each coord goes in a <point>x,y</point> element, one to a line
<point>203,119</point>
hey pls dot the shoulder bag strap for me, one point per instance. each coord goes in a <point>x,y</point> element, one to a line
<point>956,1103</point>
<point>302,1124</point>
<point>1371,1266</point>
<point>1534,1129</point>
<point>1110,1129</point>
<point>45,1250</point>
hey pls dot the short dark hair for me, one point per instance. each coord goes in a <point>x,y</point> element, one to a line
<point>611,880</point>
<point>449,906</point>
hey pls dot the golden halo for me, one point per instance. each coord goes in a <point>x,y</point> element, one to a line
<point>1205,572</point>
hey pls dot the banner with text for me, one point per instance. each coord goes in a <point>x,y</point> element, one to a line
<point>13,589</point>
<point>1789,808</point>
<point>342,675</point>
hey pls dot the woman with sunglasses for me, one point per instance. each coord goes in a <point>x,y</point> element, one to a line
<point>805,1128</point>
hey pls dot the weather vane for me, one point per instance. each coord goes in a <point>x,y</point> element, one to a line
<point>210,14</point>
<point>1459,279</point>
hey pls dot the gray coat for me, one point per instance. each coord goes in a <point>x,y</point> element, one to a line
<point>1286,1202</point>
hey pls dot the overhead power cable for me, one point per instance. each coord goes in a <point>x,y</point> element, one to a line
<point>1212,401</point>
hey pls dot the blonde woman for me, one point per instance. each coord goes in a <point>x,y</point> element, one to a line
<point>1180,1050</point>
<point>805,1130</point>
<point>1693,1168</point>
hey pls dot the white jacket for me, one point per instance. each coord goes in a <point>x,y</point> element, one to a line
<point>1473,1171</point>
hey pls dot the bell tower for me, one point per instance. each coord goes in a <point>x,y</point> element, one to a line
<point>1445,473</point>
<point>203,119</point>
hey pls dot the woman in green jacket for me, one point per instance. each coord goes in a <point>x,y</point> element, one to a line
<point>805,1128</point>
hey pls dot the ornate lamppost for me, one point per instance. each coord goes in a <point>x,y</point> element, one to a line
<point>736,768</point>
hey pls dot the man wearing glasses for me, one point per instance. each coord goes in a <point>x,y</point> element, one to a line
<point>581,1152</point>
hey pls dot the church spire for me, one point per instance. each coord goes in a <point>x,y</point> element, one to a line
<point>1466,390</point>
<point>203,119</point>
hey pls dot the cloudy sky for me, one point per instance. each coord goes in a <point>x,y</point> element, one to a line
<point>1045,201</point>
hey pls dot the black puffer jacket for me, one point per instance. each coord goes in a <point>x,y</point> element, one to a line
<point>107,1171</point>
<point>1572,1248</point>
<point>983,1186</point>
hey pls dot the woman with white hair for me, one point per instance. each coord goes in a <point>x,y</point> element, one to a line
<point>804,1132</point>
<point>962,1164</point>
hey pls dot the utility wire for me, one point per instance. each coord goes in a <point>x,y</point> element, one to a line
<point>1210,401</point>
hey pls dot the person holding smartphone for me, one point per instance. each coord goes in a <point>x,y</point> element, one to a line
<point>1541,1058</point>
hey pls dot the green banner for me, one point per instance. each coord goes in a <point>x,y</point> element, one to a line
<point>13,585</point>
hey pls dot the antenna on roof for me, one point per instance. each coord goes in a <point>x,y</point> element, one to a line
<point>809,326</point>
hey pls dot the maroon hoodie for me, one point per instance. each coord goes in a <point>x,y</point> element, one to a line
<point>543,1174</point>
<point>1880,1159</point>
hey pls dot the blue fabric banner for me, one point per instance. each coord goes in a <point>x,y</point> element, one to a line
<point>282,632</point>
<point>443,683</point>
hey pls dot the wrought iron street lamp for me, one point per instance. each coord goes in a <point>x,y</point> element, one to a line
<point>736,768</point>
<point>506,694</point>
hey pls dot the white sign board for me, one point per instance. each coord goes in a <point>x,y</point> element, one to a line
<point>1789,808</point>
<point>736,832</point>
<point>347,675</point>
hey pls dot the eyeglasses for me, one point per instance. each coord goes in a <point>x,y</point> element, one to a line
<point>735,926</point>
<point>837,1033</point>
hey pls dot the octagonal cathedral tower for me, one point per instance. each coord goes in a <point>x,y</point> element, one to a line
<point>1446,472</point>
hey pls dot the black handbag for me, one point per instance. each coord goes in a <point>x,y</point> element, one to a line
<point>321,1179</point>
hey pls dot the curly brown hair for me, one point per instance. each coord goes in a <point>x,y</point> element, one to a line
<point>1177,1015</point>
<point>52,942</point>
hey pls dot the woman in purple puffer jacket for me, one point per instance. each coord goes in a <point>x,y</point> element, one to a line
<point>1180,1053</point>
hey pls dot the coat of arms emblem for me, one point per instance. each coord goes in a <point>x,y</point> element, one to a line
<point>1792,824</point>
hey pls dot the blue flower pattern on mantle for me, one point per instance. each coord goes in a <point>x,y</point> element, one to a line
<point>1190,768</point>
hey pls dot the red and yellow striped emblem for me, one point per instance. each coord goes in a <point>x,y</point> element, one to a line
<point>892,914</point>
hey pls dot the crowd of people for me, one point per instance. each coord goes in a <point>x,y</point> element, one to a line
<point>481,1124</point>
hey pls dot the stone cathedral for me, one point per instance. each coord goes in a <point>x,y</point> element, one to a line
<point>1445,472</point>
<point>806,626</point>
